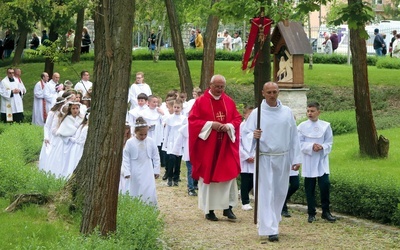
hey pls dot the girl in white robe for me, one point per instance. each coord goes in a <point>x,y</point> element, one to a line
<point>77,144</point>
<point>139,156</point>
<point>48,135</point>
<point>69,123</point>
<point>122,181</point>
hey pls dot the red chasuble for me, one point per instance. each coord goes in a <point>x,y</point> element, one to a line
<point>217,158</point>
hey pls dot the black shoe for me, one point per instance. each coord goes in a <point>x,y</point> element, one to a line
<point>192,193</point>
<point>311,218</point>
<point>273,238</point>
<point>176,183</point>
<point>211,216</point>
<point>327,216</point>
<point>286,214</point>
<point>228,213</point>
<point>165,177</point>
<point>169,183</point>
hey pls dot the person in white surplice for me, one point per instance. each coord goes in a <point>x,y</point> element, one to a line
<point>40,111</point>
<point>139,86</point>
<point>316,139</point>
<point>139,156</point>
<point>11,93</point>
<point>279,152</point>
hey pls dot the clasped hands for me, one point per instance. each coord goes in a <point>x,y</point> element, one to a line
<point>16,91</point>
<point>317,147</point>
<point>219,127</point>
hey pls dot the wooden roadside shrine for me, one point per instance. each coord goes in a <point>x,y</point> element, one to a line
<point>290,43</point>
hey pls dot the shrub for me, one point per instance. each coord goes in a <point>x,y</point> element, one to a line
<point>139,227</point>
<point>336,59</point>
<point>388,63</point>
<point>20,144</point>
<point>366,198</point>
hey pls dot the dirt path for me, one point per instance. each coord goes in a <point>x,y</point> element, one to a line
<point>186,228</point>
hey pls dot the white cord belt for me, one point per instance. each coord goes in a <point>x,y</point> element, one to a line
<point>273,154</point>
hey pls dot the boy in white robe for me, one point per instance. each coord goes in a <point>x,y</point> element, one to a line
<point>316,140</point>
<point>246,163</point>
<point>138,111</point>
<point>154,118</point>
<point>172,125</point>
<point>139,86</point>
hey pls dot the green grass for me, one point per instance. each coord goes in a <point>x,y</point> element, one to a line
<point>163,76</point>
<point>31,227</point>
<point>345,159</point>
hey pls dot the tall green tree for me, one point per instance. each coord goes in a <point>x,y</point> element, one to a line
<point>21,16</point>
<point>357,14</point>
<point>185,79</point>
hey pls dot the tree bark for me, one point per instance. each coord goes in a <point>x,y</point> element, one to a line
<point>185,79</point>
<point>49,64</point>
<point>262,69</point>
<point>96,178</point>
<point>21,42</point>
<point>367,135</point>
<point>76,56</point>
<point>210,44</point>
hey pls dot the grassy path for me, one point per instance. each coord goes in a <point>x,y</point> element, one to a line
<point>186,228</point>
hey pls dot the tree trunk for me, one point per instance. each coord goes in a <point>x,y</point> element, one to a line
<point>21,42</point>
<point>210,44</point>
<point>97,175</point>
<point>185,79</point>
<point>53,36</point>
<point>262,69</point>
<point>76,56</point>
<point>367,135</point>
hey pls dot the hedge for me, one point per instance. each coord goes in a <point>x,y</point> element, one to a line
<point>364,198</point>
<point>221,55</point>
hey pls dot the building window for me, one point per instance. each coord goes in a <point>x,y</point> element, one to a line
<point>377,1</point>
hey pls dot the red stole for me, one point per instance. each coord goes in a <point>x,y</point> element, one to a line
<point>43,103</point>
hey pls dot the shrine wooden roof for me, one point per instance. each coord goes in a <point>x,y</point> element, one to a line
<point>295,38</point>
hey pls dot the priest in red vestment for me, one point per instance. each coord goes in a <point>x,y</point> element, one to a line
<point>214,149</point>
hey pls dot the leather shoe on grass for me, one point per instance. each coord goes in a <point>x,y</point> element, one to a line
<point>228,213</point>
<point>211,216</point>
<point>327,216</point>
<point>311,218</point>
<point>286,214</point>
<point>273,238</point>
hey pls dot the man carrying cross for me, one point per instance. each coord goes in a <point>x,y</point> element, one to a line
<point>214,149</point>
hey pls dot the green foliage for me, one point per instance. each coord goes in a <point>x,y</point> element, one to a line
<point>368,199</point>
<point>356,14</point>
<point>388,63</point>
<point>139,226</point>
<point>20,144</point>
<point>336,59</point>
<point>342,122</point>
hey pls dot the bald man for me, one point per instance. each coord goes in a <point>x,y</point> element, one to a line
<point>279,153</point>
<point>50,91</point>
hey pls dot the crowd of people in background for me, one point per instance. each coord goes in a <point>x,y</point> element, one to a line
<point>8,44</point>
